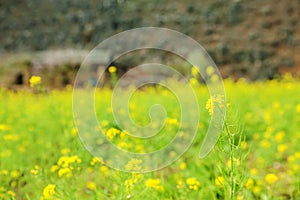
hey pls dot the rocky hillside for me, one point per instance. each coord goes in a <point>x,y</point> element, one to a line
<point>254,39</point>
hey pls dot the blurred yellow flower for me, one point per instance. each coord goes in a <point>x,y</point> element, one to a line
<point>193,81</point>
<point>104,170</point>
<point>49,191</point>
<point>271,178</point>
<point>279,136</point>
<point>282,147</point>
<point>182,166</point>
<point>74,131</point>
<point>235,162</point>
<point>112,69</point>
<point>65,171</point>
<point>214,102</point>
<point>253,171</point>
<point>210,70</point>
<point>65,151</point>
<point>35,170</point>
<point>11,193</point>
<point>195,71</point>
<point>133,164</point>
<point>154,183</point>
<point>291,159</point>
<point>91,186</point>
<point>244,145</point>
<point>265,144</point>
<point>256,189</point>
<point>4,172</point>
<point>54,168</point>
<point>298,108</point>
<point>193,183</point>
<point>35,80</point>
<point>220,181</point>
<point>14,174</point>
<point>250,183</point>
<point>3,127</point>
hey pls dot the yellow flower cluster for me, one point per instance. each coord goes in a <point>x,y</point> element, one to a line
<point>154,183</point>
<point>65,165</point>
<point>131,182</point>
<point>48,192</point>
<point>6,194</point>
<point>214,102</point>
<point>96,160</point>
<point>134,165</point>
<point>35,170</point>
<point>91,185</point>
<point>193,183</point>
<point>35,81</point>
<point>112,132</point>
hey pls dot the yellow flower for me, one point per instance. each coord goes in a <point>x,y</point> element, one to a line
<point>214,78</point>
<point>256,189</point>
<point>298,108</point>
<point>65,171</point>
<point>35,80</point>
<point>74,131</point>
<point>179,184</point>
<point>210,70</point>
<point>193,81</point>
<point>54,168</point>
<point>265,144</point>
<point>214,102</point>
<point>249,184</point>
<point>112,132</point>
<point>195,71</point>
<point>271,178</point>
<point>282,147</point>
<point>134,165</point>
<point>243,145</point>
<point>235,162</point>
<point>35,170</point>
<point>154,183</point>
<point>104,123</point>
<point>11,193</point>
<point>91,186</point>
<point>253,171</point>
<point>193,183</point>
<point>96,160</point>
<point>182,166</point>
<point>104,170</point>
<point>112,69</point>
<point>220,181</point>
<point>4,172</point>
<point>11,137</point>
<point>65,151</point>
<point>14,174</point>
<point>3,127</point>
<point>49,191</point>
<point>291,159</point>
<point>279,136</point>
<point>209,106</point>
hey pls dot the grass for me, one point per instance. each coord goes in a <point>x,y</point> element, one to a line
<point>257,156</point>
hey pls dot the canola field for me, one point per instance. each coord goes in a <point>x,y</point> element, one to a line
<point>256,157</point>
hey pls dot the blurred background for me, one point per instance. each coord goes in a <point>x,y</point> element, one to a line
<point>255,40</point>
